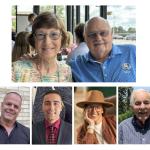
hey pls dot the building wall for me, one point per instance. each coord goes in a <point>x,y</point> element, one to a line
<point>24,116</point>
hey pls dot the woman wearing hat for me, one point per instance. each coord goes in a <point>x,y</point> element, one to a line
<point>97,128</point>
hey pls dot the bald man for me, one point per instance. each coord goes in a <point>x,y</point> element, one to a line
<point>11,131</point>
<point>105,61</point>
<point>136,129</point>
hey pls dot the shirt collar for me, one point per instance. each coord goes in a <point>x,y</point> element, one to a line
<point>138,127</point>
<point>114,51</point>
<point>56,124</point>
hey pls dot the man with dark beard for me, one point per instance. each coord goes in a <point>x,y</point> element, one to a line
<point>136,130</point>
<point>105,61</point>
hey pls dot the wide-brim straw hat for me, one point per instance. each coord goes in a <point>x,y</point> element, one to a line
<point>94,97</point>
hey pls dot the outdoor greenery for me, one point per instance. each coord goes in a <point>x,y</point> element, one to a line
<point>124,103</point>
<point>59,10</point>
<point>122,31</point>
<point>13,13</point>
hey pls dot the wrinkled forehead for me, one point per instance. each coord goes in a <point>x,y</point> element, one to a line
<point>13,98</point>
<point>141,96</point>
<point>97,23</point>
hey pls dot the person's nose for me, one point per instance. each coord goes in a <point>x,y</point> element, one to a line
<point>48,40</point>
<point>12,107</point>
<point>94,109</point>
<point>142,106</point>
<point>98,35</point>
<point>51,106</point>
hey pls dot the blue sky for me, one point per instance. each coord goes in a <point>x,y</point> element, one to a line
<point>145,88</point>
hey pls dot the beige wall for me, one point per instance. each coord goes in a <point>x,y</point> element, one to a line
<point>24,116</point>
<point>79,95</point>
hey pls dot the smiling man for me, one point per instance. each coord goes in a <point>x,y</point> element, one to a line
<point>52,130</point>
<point>105,61</point>
<point>12,132</point>
<point>136,130</point>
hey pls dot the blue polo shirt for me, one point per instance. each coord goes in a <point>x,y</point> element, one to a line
<point>119,66</point>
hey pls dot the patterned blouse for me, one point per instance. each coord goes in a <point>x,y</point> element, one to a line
<point>25,71</point>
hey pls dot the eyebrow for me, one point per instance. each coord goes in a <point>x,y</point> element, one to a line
<point>52,101</point>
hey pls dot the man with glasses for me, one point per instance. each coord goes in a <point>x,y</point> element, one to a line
<point>52,130</point>
<point>98,127</point>
<point>105,61</point>
<point>136,129</point>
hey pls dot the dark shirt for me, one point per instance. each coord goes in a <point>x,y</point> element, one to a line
<point>19,135</point>
<point>139,127</point>
<point>56,126</point>
<point>64,136</point>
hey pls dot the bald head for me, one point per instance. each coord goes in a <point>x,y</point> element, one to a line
<point>13,93</point>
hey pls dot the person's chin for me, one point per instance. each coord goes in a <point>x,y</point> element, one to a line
<point>48,56</point>
<point>9,118</point>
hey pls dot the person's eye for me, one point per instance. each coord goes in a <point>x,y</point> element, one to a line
<point>8,104</point>
<point>54,34</point>
<point>16,107</point>
<point>137,103</point>
<point>146,102</point>
<point>104,33</point>
<point>91,35</point>
<point>40,35</point>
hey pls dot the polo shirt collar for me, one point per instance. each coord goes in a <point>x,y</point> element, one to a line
<point>115,50</point>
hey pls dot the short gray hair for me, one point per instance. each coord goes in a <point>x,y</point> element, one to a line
<point>96,18</point>
<point>133,94</point>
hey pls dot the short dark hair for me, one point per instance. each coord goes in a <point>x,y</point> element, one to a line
<point>54,92</point>
<point>79,30</point>
<point>48,20</point>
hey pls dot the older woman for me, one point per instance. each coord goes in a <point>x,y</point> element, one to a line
<point>48,36</point>
<point>97,128</point>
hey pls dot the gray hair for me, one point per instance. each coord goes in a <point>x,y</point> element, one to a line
<point>96,18</point>
<point>132,98</point>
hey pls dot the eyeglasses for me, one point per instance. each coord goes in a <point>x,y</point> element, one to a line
<point>93,35</point>
<point>94,106</point>
<point>52,35</point>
